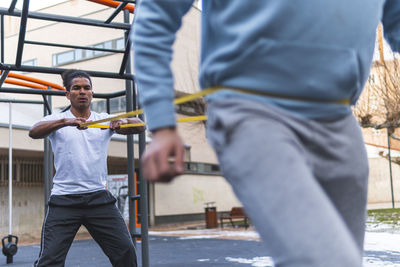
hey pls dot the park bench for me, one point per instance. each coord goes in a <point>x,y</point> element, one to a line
<point>236,214</point>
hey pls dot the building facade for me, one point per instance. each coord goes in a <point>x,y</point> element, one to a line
<point>183,199</point>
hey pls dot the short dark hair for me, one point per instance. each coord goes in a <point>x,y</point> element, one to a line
<point>69,75</point>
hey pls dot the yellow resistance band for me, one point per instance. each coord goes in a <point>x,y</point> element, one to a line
<point>177,101</point>
<point>188,98</point>
<point>106,126</point>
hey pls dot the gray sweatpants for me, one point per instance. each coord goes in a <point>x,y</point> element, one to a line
<point>302,182</point>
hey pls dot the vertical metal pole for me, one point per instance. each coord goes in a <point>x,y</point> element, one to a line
<point>130,151</point>
<point>48,160</point>
<point>108,105</point>
<point>2,38</point>
<point>143,195</point>
<point>143,206</point>
<point>10,169</point>
<point>50,153</point>
<point>22,32</point>
<point>390,169</point>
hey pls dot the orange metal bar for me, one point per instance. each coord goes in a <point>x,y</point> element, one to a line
<point>35,80</point>
<point>138,225</point>
<point>114,4</point>
<point>22,83</point>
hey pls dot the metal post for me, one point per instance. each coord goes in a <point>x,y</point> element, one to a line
<point>4,75</point>
<point>143,207</point>
<point>2,38</point>
<point>390,169</point>
<point>12,6</point>
<point>108,105</point>
<point>48,158</point>
<point>10,170</point>
<point>130,151</point>
<point>115,13</point>
<point>22,32</point>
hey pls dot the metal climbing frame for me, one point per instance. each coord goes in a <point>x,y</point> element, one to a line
<point>125,72</point>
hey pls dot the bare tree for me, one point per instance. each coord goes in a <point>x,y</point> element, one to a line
<point>379,104</point>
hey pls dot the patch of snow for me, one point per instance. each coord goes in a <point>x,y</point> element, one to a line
<point>256,262</point>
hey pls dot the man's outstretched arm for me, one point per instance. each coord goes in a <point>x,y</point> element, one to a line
<point>43,128</point>
<point>156,23</point>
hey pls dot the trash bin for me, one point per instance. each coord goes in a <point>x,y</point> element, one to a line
<point>211,215</point>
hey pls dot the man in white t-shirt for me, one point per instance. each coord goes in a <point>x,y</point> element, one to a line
<point>78,196</point>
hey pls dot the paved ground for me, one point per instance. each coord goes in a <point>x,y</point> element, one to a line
<point>165,252</point>
<point>191,247</point>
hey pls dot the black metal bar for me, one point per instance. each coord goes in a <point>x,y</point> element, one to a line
<point>110,95</point>
<point>67,19</point>
<point>66,108</point>
<point>125,59</point>
<point>2,38</point>
<point>61,70</point>
<point>53,92</point>
<point>22,32</point>
<point>48,157</point>
<point>12,6</point>
<point>3,77</point>
<point>108,105</point>
<point>75,47</point>
<point>390,168</point>
<point>131,159</point>
<point>30,91</point>
<point>127,1</point>
<point>135,197</point>
<point>46,104</point>
<point>21,101</point>
<point>116,11</point>
<point>144,220</point>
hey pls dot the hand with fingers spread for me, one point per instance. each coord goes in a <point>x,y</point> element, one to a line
<point>157,165</point>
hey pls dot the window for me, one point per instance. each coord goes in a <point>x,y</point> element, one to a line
<point>79,54</point>
<point>32,62</point>
<point>117,104</point>
<point>120,44</point>
<point>83,54</point>
<point>202,168</point>
<point>96,53</point>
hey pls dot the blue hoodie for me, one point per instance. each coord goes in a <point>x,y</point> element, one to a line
<point>318,51</point>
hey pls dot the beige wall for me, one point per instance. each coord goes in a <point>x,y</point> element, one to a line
<point>27,209</point>
<point>188,193</point>
<point>379,192</point>
<point>194,135</point>
<point>186,59</point>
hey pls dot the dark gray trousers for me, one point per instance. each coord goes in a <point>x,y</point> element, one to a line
<point>98,213</point>
<point>302,182</point>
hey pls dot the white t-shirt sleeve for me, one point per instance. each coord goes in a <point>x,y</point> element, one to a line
<point>53,117</point>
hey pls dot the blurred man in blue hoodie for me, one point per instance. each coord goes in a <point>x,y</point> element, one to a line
<point>287,141</point>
